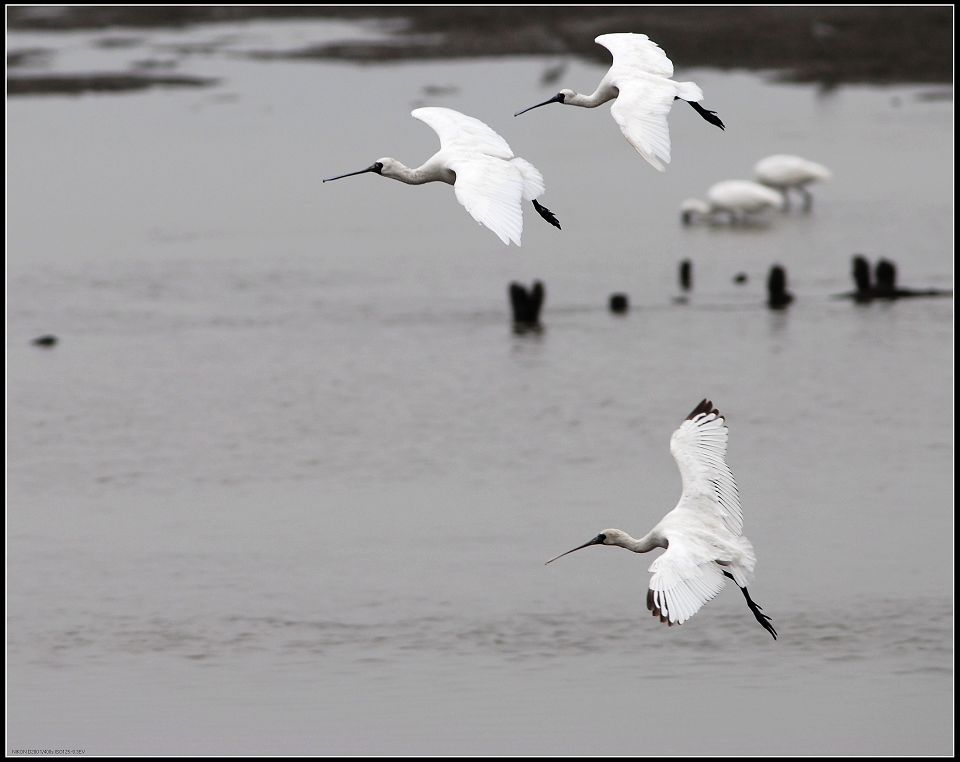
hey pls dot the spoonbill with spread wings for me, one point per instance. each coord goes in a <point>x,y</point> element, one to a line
<point>702,535</point>
<point>487,178</point>
<point>640,81</point>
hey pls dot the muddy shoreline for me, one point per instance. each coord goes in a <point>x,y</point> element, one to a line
<point>829,45</point>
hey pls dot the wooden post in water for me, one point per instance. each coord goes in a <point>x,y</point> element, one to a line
<point>886,278</point>
<point>686,275</point>
<point>777,295</point>
<point>526,306</point>
<point>861,278</point>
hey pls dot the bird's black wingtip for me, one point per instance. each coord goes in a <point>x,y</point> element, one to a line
<point>705,406</point>
<point>547,214</point>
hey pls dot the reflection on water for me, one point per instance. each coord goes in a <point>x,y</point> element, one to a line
<point>287,480</point>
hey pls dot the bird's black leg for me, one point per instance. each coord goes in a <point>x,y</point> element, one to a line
<point>710,116</point>
<point>756,609</point>
<point>546,214</point>
<point>807,199</point>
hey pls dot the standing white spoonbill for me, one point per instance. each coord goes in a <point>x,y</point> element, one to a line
<point>486,177</point>
<point>702,535</point>
<point>640,81</point>
<point>784,172</point>
<point>735,198</point>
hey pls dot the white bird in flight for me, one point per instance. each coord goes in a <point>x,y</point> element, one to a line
<point>487,178</point>
<point>702,535</point>
<point>784,172</point>
<point>640,81</point>
<point>735,198</point>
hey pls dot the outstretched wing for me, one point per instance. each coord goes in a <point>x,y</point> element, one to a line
<point>641,111</point>
<point>682,582</point>
<point>459,131</point>
<point>491,190</point>
<point>699,447</point>
<point>637,52</point>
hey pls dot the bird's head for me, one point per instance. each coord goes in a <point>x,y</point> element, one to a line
<point>390,167</point>
<point>693,208</point>
<point>606,537</point>
<point>560,97</point>
<point>376,167</point>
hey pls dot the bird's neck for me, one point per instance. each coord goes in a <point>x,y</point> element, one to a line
<point>645,544</point>
<point>422,174</point>
<point>601,95</point>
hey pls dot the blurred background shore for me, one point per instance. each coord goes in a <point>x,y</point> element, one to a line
<point>826,45</point>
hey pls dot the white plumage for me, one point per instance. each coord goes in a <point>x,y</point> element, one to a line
<point>641,74</point>
<point>736,198</point>
<point>785,173</point>
<point>488,180</point>
<point>640,80</point>
<point>703,534</point>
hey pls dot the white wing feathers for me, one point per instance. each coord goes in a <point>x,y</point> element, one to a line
<point>641,73</point>
<point>682,582</point>
<point>461,132</point>
<point>636,51</point>
<point>491,190</point>
<point>641,111</point>
<point>699,446</point>
<point>491,183</point>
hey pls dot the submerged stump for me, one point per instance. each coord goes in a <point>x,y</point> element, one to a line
<point>777,295</point>
<point>526,306</point>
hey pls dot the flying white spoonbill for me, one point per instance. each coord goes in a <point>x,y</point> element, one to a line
<point>640,81</point>
<point>784,172</point>
<point>486,177</point>
<point>736,198</point>
<point>702,535</point>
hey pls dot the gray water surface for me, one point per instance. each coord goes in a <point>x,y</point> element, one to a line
<point>287,483</point>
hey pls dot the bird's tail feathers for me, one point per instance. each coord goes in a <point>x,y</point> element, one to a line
<point>820,171</point>
<point>689,91</point>
<point>743,565</point>
<point>533,185</point>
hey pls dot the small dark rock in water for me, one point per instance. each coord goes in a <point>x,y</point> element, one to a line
<point>619,303</point>
<point>686,275</point>
<point>526,305</point>
<point>777,295</point>
<point>49,340</point>
<point>740,278</point>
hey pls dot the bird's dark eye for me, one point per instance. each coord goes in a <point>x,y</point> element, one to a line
<point>560,97</point>
<point>378,167</point>
<point>601,538</point>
